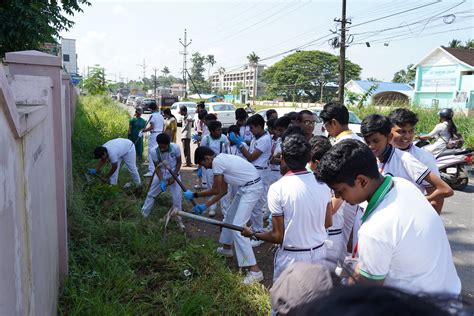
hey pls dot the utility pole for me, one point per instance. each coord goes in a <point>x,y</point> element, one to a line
<point>185,53</point>
<point>143,67</point>
<point>342,52</point>
<point>155,82</point>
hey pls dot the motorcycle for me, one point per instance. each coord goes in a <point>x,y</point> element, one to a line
<point>454,165</point>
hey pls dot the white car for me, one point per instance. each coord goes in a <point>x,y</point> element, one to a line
<point>191,106</point>
<point>354,120</point>
<point>318,127</point>
<point>225,112</point>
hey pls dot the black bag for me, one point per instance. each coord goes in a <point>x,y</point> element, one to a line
<point>456,141</point>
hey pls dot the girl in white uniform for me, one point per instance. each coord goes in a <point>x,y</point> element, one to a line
<point>157,124</point>
<point>162,179</point>
<point>442,132</point>
<point>232,170</point>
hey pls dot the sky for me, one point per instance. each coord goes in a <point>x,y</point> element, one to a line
<point>122,35</point>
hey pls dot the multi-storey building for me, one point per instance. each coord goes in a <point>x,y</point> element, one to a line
<point>227,80</point>
<point>69,56</point>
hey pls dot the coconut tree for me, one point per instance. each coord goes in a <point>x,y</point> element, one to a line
<point>211,61</point>
<point>253,59</point>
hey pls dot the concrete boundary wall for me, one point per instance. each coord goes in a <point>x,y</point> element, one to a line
<point>37,104</point>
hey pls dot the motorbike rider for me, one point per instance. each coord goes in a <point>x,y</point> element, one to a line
<point>442,132</point>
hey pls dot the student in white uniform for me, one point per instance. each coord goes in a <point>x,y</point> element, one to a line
<point>115,151</point>
<point>166,150</point>
<point>232,170</point>
<point>274,161</point>
<point>403,132</point>
<point>157,123</point>
<point>233,150</point>
<point>442,132</point>
<point>219,144</point>
<point>376,130</point>
<point>301,210</point>
<point>335,118</point>
<point>258,154</point>
<point>241,117</point>
<point>402,241</point>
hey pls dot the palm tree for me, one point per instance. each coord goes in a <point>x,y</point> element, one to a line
<point>253,58</point>
<point>211,61</point>
<point>165,71</point>
<point>253,61</point>
<point>454,43</point>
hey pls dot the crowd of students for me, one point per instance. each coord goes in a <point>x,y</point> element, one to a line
<point>366,204</point>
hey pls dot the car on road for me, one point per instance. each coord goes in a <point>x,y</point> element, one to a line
<point>191,106</point>
<point>354,120</point>
<point>131,100</point>
<point>146,104</point>
<point>224,111</point>
<point>318,127</point>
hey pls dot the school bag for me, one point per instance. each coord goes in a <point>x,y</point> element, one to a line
<point>456,141</point>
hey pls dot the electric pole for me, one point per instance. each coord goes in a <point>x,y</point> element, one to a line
<point>144,68</point>
<point>342,52</point>
<point>185,53</point>
<point>155,82</point>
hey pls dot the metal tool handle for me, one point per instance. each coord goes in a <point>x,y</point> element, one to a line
<point>178,181</point>
<point>210,221</point>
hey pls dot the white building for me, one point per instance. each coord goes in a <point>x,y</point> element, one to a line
<point>69,56</point>
<point>227,80</point>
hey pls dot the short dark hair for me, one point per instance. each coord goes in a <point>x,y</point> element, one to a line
<point>234,129</point>
<point>271,123</point>
<point>292,115</point>
<point>183,108</point>
<point>210,117</point>
<point>296,150</point>
<point>256,120</point>
<point>269,113</point>
<point>303,112</point>
<point>202,115</point>
<point>201,105</point>
<point>153,105</point>
<point>402,116</point>
<point>345,161</point>
<point>291,130</point>
<point>241,114</point>
<point>163,138</point>
<point>319,146</point>
<point>213,125</point>
<point>375,123</point>
<point>283,121</point>
<point>99,152</point>
<point>335,111</point>
<point>201,153</point>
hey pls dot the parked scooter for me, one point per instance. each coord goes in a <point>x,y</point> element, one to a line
<point>454,165</point>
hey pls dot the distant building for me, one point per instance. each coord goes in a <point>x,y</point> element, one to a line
<point>69,56</point>
<point>227,80</point>
<point>384,92</point>
<point>178,89</point>
<point>445,78</point>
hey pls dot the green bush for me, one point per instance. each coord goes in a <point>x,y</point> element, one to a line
<point>122,264</point>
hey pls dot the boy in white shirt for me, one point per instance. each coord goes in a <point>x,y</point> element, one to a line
<point>219,144</point>
<point>301,210</point>
<point>232,170</point>
<point>157,123</point>
<point>241,117</point>
<point>403,132</point>
<point>115,151</point>
<point>274,162</point>
<point>163,179</point>
<point>258,154</point>
<point>402,241</point>
<point>376,130</point>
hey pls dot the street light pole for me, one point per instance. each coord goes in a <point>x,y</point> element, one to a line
<point>185,53</point>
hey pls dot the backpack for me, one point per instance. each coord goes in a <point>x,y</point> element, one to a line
<point>456,141</point>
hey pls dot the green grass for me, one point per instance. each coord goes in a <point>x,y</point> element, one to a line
<point>122,264</point>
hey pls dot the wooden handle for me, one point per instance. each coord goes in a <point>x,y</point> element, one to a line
<point>210,221</point>
<point>176,178</point>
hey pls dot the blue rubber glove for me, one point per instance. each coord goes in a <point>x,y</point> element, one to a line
<point>91,171</point>
<point>196,137</point>
<point>188,195</point>
<point>200,172</point>
<point>199,208</point>
<point>235,139</point>
<point>163,185</point>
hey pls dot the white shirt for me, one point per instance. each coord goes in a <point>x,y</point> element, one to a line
<point>276,145</point>
<point>442,135</point>
<point>348,135</point>
<point>218,146</point>
<point>426,158</point>
<point>234,150</point>
<point>264,145</point>
<point>405,242</point>
<point>236,170</point>
<point>302,201</point>
<point>171,156</point>
<point>205,131</point>
<point>158,122</point>
<point>246,134</point>
<point>117,148</point>
<point>403,165</point>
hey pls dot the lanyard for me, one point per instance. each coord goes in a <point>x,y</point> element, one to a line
<point>348,132</point>
<point>375,201</point>
<point>296,172</point>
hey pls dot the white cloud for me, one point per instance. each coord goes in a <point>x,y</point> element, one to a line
<point>118,10</point>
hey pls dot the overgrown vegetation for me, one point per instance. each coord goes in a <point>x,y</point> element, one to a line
<point>122,264</point>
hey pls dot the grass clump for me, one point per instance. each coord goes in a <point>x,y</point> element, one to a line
<point>122,264</point>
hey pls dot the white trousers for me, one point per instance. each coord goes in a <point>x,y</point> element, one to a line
<point>238,214</point>
<point>335,251</point>
<point>256,220</point>
<point>152,144</point>
<point>284,258</point>
<point>175,191</point>
<point>208,176</point>
<point>129,160</point>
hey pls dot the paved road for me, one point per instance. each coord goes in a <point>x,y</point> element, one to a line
<point>458,217</point>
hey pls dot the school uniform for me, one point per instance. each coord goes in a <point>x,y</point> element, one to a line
<point>264,144</point>
<point>121,149</point>
<point>171,155</point>
<point>158,125</point>
<point>425,158</point>
<point>246,134</point>
<point>302,201</point>
<point>218,146</point>
<point>275,173</point>
<point>232,189</point>
<point>239,172</point>
<point>403,241</point>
